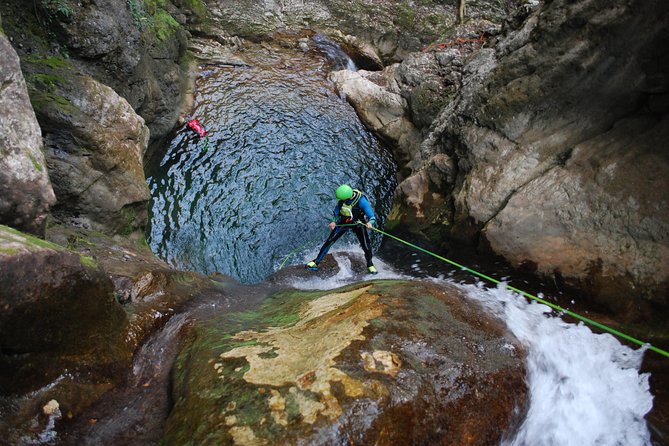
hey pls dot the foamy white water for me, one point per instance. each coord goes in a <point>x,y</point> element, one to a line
<point>585,388</point>
<point>346,274</point>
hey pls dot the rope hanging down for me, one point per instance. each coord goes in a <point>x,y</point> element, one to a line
<point>533,297</point>
<point>307,243</point>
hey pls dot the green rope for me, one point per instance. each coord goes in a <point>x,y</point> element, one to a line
<point>206,144</point>
<point>307,243</point>
<point>296,250</point>
<point>530,296</point>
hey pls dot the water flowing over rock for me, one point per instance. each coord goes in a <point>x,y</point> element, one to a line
<point>25,189</point>
<point>377,363</point>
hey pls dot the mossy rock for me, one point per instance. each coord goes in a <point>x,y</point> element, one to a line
<point>317,367</point>
<point>59,311</point>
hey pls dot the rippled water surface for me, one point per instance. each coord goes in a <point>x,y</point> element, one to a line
<point>261,184</point>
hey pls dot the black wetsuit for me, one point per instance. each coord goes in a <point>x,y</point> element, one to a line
<point>362,212</point>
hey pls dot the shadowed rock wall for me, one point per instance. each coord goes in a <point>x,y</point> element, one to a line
<point>25,189</point>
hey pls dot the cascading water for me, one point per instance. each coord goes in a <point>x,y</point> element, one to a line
<point>280,141</point>
<point>340,60</point>
<point>585,388</point>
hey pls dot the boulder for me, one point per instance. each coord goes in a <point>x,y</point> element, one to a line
<point>25,189</point>
<point>59,313</point>
<point>383,112</point>
<point>95,144</point>
<point>383,362</point>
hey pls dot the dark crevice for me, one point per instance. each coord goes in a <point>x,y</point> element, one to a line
<point>5,85</point>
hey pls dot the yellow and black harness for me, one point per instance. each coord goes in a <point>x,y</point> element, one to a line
<point>346,210</point>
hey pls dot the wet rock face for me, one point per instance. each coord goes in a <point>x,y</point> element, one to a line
<point>605,225</point>
<point>550,141</point>
<point>92,68</point>
<point>568,148</point>
<point>58,312</point>
<point>132,46</point>
<point>94,147</point>
<point>382,111</point>
<point>386,362</point>
<point>135,47</point>
<point>395,29</point>
<point>25,189</point>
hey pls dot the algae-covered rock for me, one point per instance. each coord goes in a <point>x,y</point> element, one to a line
<point>386,362</point>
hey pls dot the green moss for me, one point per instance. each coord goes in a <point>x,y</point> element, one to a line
<point>29,239</point>
<point>231,345</point>
<point>58,7</point>
<point>141,243</point>
<point>55,62</point>
<point>88,261</point>
<point>196,6</point>
<point>136,8</point>
<point>40,100</point>
<point>153,5</point>
<point>75,241</point>
<point>184,278</point>
<point>9,251</point>
<point>277,318</point>
<point>282,310</point>
<point>42,81</point>
<point>185,60</point>
<point>405,16</point>
<point>128,215</point>
<point>164,25</point>
<point>36,163</point>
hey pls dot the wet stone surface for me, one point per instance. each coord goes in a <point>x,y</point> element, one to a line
<point>382,362</point>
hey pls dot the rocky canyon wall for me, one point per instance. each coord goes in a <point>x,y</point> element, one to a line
<point>550,149</point>
<point>104,79</point>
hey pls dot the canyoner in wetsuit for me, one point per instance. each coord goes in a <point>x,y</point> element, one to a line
<point>352,209</point>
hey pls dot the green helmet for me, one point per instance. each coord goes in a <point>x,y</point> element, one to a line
<point>344,192</point>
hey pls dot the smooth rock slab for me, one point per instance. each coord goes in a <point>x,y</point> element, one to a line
<point>383,362</point>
